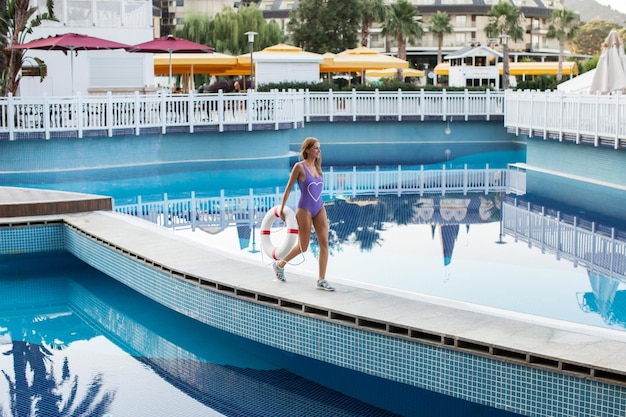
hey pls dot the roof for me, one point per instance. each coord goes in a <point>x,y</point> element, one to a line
<point>473,51</point>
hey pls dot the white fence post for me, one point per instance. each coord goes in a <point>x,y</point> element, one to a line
<point>193,211</point>
<point>166,211</point>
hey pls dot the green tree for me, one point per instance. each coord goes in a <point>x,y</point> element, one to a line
<point>225,32</point>
<point>373,11</point>
<point>440,24</point>
<point>404,25</point>
<point>591,36</point>
<point>18,19</point>
<point>505,23</point>
<point>325,25</point>
<point>563,27</point>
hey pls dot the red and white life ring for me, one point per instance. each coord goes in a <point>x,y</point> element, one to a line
<point>277,252</point>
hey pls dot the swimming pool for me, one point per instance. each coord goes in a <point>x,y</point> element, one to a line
<point>440,255</point>
<point>73,339</point>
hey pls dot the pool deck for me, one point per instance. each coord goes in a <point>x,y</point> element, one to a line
<point>578,350</point>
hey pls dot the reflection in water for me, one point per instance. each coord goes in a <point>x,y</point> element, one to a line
<point>452,247</point>
<point>593,242</point>
<point>605,299</point>
<point>360,220</point>
<point>215,369</point>
<point>35,333</point>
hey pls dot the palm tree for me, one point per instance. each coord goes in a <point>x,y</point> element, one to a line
<point>505,22</point>
<point>564,27</point>
<point>17,20</point>
<point>440,24</point>
<point>404,25</point>
<point>372,11</point>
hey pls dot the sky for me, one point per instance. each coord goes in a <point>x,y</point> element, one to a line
<point>619,5</point>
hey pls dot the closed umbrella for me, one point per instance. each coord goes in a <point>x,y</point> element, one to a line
<point>170,44</point>
<point>72,43</point>
<point>610,73</point>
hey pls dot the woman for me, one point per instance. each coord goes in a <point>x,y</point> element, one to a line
<point>310,211</point>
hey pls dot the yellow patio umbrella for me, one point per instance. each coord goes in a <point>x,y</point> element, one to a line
<point>360,59</point>
<point>523,68</point>
<point>280,51</point>
<point>391,72</point>
<point>199,63</point>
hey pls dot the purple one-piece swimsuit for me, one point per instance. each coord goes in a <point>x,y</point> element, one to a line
<point>311,193</point>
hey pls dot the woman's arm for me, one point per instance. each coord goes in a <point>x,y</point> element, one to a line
<point>296,172</point>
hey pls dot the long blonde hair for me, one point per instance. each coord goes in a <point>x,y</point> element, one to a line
<point>308,144</point>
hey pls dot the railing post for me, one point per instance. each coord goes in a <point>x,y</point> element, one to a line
<point>11,116</point>
<point>332,183</point>
<point>617,121</point>
<point>377,181</point>
<point>307,104</point>
<point>376,103</point>
<point>354,99</point>
<point>465,179</point>
<point>166,211</point>
<point>193,211</point>
<point>466,104</point>
<point>487,175</point>
<point>354,181</point>
<point>331,104</point>
<point>532,115</point>
<point>139,208</point>
<point>251,208</point>
<point>399,181</point>
<point>223,223</point>
<point>220,109</point>
<point>251,100</point>
<point>109,113</point>
<point>444,104</point>
<point>137,110</point>
<point>399,98</point>
<point>488,105</point>
<point>163,113</point>
<point>578,119</point>
<point>597,121</point>
<point>190,110</point>
<point>421,181</point>
<point>275,108</point>
<point>561,101</point>
<point>422,104</point>
<point>545,112</point>
<point>443,179</point>
<point>46,116</point>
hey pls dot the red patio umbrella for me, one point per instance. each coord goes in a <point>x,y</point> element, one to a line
<point>71,42</point>
<point>170,44</point>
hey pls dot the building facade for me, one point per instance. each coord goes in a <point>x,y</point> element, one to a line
<point>468,18</point>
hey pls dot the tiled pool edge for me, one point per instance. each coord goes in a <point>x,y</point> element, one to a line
<point>459,368</point>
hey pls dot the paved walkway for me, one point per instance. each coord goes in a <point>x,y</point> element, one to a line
<point>576,349</point>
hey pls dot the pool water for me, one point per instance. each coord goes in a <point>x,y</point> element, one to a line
<point>448,250</point>
<point>73,340</point>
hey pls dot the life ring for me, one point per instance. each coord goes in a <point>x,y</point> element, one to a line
<point>277,252</point>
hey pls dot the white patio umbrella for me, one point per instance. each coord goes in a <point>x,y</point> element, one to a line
<point>610,73</point>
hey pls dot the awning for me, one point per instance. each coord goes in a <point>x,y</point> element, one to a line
<point>524,68</point>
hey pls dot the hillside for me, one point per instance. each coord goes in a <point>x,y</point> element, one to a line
<point>590,9</point>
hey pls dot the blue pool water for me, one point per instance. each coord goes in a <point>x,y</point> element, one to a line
<point>75,340</point>
<point>460,262</point>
